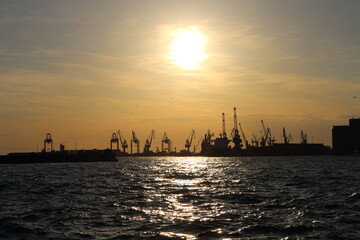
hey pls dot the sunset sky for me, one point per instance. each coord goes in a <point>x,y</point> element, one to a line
<point>82,70</point>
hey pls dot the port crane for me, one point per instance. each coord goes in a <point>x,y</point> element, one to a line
<point>266,137</point>
<point>206,141</point>
<point>223,126</point>
<point>243,135</point>
<point>123,141</point>
<point>197,145</point>
<point>136,141</point>
<point>255,141</point>
<point>114,139</point>
<point>189,140</point>
<point>166,140</point>
<point>303,136</point>
<point>149,141</point>
<point>287,138</point>
<point>271,138</point>
<point>235,133</point>
<point>48,140</point>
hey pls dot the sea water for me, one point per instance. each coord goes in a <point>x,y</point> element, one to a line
<point>183,198</point>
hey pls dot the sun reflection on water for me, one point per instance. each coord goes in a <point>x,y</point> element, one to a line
<point>179,235</point>
<point>177,186</point>
<point>183,194</point>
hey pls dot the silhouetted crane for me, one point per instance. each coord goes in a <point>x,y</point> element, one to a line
<point>189,140</point>
<point>223,126</point>
<point>303,136</point>
<point>271,139</point>
<point>235,133</point>
<point>48,140</point>
<point>287,138</point>
<point>255,141</point>
<point>123,141</point>
<point>166,140</point>
<point>197,145</point>
<point>243,135</point>
<point>114,139</point>
<point>266,137</point>
<point>149,141</point>
<point>206,142</point>
<point>136,141</point>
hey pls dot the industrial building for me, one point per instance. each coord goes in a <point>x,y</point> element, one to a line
<point>346,139</point>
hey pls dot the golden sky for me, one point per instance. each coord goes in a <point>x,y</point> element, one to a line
<point>82,70</point>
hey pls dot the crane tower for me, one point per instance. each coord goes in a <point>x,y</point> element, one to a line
<point>235,134</point>
<point>48,140</point>
<point>149,141</point>
<point>189,140</point>
<point>136,141</point>
<point>114,139</point>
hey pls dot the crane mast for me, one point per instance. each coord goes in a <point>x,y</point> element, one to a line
<point>48,140</point>
<point>136,141</point>
<point>223,126</point>
<point>197,145</point>
<point>255,141</point>
<point>123,141</point>
<point>207,142</point>
<point>270,138</point>
<point>287,138</point>
<point>166,140</point>
<point>303,136</point>
<point>189,140</point>
<point>149,141</point>
<point>243,135</point>
<point>235,120</point>
<point>265,135</point>
<point>114,139</point>
<point>235,133</point>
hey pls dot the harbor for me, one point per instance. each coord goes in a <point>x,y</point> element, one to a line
<point>346,141</point>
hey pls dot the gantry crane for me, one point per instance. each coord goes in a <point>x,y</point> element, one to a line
<point>255,141</point>
<point>287,138</point>
<point>149,141</point>
<point>123,141</point>
<point>48,140</point>
<point>136,141</point>
<point>303,136</point>
<point>189,140</point>
<point>243,135</point>
<point>271,139</point>
<point>266,137</point>
<point>235,133</point>
<point>166,140</point>
<point>114,139</point>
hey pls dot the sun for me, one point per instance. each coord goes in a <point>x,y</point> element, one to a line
<point>187,51</point>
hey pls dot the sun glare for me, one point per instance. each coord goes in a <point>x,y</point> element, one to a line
<point>188,49</point>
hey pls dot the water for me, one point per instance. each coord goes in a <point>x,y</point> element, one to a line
<point>183,198</point>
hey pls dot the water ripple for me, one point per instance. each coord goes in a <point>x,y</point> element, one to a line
<point>183,198</point>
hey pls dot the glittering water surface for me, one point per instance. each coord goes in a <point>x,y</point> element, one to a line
<point>183,198</point>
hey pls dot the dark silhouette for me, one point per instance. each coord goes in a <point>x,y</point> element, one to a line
<point>346,139</point>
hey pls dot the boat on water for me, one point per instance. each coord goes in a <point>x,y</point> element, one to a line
<point>59,156</point>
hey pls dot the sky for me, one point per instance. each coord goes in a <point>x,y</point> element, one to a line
<point>82,70</point>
